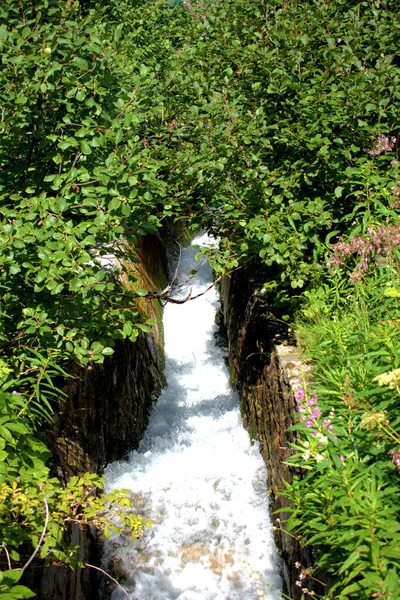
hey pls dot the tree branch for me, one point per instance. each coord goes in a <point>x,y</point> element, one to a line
<point>109,577</point>
<point>3,545</point>
<point>41,537</point>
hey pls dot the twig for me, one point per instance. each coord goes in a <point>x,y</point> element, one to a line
<point>165,294</point>
<point>41,537</point>
<point>77,157</point>
<point>174,301</point>
<point>109,577</point>
<point>190,297</point>
<point>3,545</point>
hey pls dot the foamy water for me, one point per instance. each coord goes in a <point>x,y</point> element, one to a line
<point>196,474</point>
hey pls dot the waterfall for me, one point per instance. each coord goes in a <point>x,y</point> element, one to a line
<point>196,474</point>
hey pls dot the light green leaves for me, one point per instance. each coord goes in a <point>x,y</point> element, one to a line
<point>8,588</point>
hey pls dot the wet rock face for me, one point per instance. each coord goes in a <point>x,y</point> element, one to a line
<point>107,408</point>
<point>261,360</point>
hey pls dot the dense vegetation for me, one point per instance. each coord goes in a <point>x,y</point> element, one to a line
<point>274,124</point>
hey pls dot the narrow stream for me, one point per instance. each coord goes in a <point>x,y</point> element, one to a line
<point>196,474</point>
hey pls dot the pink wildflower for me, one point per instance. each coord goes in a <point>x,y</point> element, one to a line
<point>382,144</point>
<point>396,459</point>
<point>366,249</point>
<point>317,413</point>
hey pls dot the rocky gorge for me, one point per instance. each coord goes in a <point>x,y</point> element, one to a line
<point>107,408</point>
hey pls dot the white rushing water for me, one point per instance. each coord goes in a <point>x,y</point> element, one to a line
<point>196,474</point>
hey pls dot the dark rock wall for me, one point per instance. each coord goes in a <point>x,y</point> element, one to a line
<point>102,418</point>
<point>62,583</point>
<point>107,408</point>
<point>261,360</point>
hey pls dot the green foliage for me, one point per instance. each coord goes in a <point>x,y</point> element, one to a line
<point>76,502</point>
<point>346,506</point>
<point>25,488</point>
<point>8,589</point>
<point>273,125</point>
<point>76,183</point>
<point>274,109</point>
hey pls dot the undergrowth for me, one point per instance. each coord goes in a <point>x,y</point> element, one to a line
<point>346,506</point>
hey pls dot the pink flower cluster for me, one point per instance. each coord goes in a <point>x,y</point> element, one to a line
<point>396,459</point>
<point>382,144</point>
<point>309,404</point>
<point>379,242</point>
<point>305,404</point>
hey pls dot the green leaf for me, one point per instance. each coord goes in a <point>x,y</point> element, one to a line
<point>86,149</point>
<point>391,292</point>
<point>11,576</point>
<point>81,63</point>
<point>127,329</point>
<point>80,95</point>
<point>119,136</point>
<point>107,351</point>
<point>338,191</point>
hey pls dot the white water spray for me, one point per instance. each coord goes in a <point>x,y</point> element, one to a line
<point>196,474</point>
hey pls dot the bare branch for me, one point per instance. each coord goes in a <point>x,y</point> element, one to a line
<point>189,296</point>
<point>3,545</point>
<point>207,290</point>
<point>175,301</point>
<point>40,542</point>
<point>166,293</point>
<point>109,577</point>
